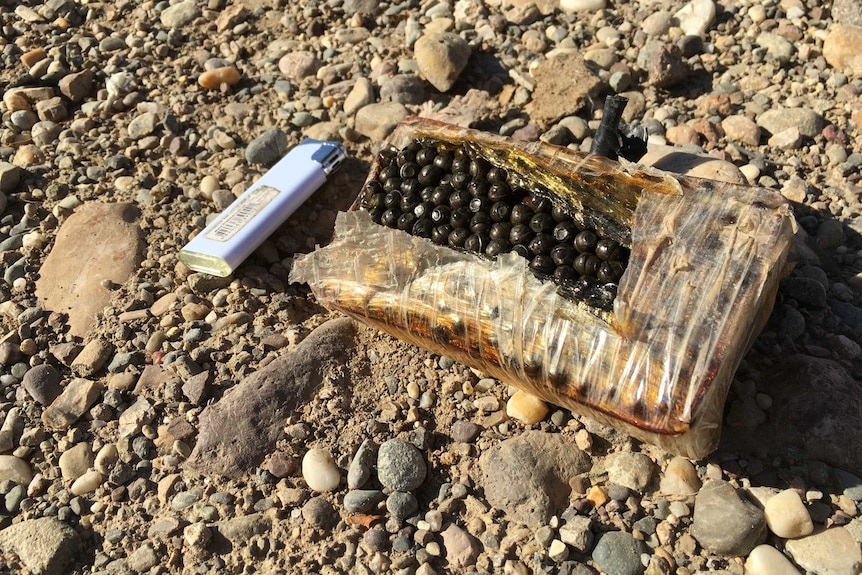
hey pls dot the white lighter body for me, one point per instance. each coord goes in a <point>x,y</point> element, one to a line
<point>257,213</point>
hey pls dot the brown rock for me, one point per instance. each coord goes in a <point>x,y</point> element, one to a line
<point>666,66</point>
<point>298,65</point>
<point>672,159</point>
<point>563,86</point>
<point>93,357</point>
<point>741,129</point>
<point>98,242</point>
<point>238,431</point>
<point>76,86</point>
<point>230,17</point>
<point>180,428</point>
<point>152,381</point>
<point>30,57</point>
<point>78,396</point>
<point>196,388</point>
<point>25,98</point>
<point>682,135</point>
<point>528,477</point>
<point>281,465</point>
<point>843,48</point>
<point>441,58</point>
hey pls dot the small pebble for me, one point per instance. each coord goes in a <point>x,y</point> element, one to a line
<point>214,79</point>
<point>401,504</point>
<point>319,513</point>
<point>526,408</point>
<point>679,478</point>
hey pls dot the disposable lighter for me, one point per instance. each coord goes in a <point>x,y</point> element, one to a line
<point>258,212</point>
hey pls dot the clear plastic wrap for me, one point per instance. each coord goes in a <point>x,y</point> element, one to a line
<point>706,259</point>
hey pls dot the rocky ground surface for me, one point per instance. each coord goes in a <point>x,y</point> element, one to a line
<point>160,421</point>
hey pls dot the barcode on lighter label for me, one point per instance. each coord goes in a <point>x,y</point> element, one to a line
<point>242,213</point>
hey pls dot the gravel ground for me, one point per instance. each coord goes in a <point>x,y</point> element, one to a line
<point>160,421</point>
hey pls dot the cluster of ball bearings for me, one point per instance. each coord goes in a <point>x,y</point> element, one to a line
<point>457,199</point>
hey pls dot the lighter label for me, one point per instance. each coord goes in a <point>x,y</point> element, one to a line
<point>240,214</point>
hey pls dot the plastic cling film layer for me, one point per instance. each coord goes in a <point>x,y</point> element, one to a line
<point>706,258</point>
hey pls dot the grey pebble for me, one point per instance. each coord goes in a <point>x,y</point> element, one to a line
<point>121,473</point>
<point>465,431</point>
<point>185,499</point>
<point>619,553</point>
<point>544,535</point>
<point>359,471</point>
<point>851,484</point>
<point>10,175</point>
<point>400,466</point>
<point>776,120</point>
<point>402,504</point>
<point>633,470</point>
<point>112,44</point>
<point>362,500</point>
<point>222,498</point>
<point>791,323</point>
<point>319,513</point>
<point>376,538</point>
<point>23,119</point>
<point>407,89</point>
<point>14,498</point>
<point>806,291</point>
<point>179,14</point>
<point>725,522</point>
<point>121,361</point>
<point>830,234</point>
<point>267,149</point>
<point>143,558</point>
<point>42,382</point>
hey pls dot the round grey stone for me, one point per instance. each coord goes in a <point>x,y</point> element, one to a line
<point>400,466</point>
<point>376,538</point>
<point>267,149</point>
<point>362,500</point>
<point>319,513</point>
<point>42,382</point>
<point>619,553</point>
<point>726,523</point>
<point>402,504</point>
<point>807,291</point>
<point>465,431</point>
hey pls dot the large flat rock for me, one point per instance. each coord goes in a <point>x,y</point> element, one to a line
<point>98,242</point>
<point>241,428</point>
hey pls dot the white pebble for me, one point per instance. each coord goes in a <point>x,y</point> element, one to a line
<point>526,407</point>
<point>766,560</point>
<point>751,172</point>
<point>319,471</point>
<point>487,403</point>
<point>787,516</point>
<point>87,483</point>
<point>34,240</point>
<point>558,551</point>
<point>209,184</point>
